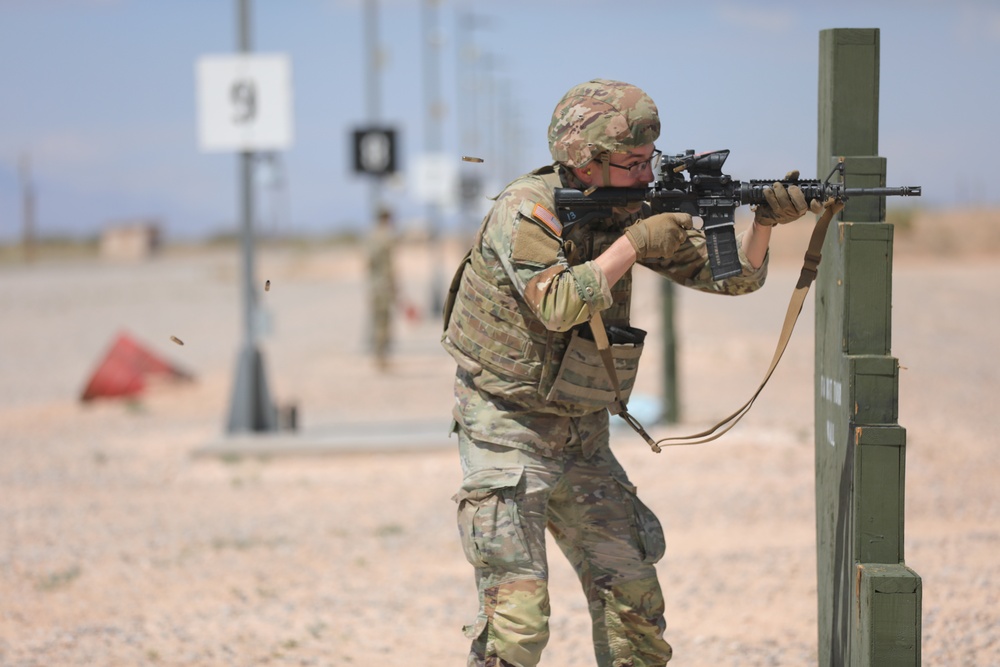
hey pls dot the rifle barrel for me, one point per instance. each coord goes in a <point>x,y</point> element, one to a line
<point>903,191</point>
<point>753,192</point>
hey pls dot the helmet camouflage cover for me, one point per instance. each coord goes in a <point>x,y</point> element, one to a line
<point>601,116</point>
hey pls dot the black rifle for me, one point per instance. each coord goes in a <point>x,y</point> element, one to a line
<point>708,194</point>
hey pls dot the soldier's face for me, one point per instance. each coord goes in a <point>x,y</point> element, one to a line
<point>635,167</point>
<point>628,170</point>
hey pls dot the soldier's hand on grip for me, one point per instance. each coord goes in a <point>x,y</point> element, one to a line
<point>784,204</point>
<point>659,235</point>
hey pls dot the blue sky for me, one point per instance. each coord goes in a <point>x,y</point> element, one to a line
<point>100,94</point>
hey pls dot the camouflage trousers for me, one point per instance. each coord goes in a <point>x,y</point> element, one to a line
<point>507,500</point>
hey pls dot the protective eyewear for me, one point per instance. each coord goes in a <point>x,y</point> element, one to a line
<point>636,169</point>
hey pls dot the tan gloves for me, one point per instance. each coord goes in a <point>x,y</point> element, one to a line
<point>784,204</point>
<point>658,235</point>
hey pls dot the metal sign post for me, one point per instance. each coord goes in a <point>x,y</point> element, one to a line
<point>432,136</point>
<point>245,105</point>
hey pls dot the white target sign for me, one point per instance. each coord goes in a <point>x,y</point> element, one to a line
<point>244,102</point>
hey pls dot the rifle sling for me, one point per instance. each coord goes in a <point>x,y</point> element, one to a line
<point>604,347</point>
<point>808,273</point>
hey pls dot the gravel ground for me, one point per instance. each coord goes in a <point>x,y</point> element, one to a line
<point>118,546</point>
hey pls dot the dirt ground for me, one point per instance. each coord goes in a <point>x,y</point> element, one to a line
<point>120,546</point>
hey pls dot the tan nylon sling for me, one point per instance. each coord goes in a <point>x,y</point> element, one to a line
<point>810,268</point>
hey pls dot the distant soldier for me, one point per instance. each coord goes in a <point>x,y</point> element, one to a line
<point>531,391</point>
<point>382,286</point>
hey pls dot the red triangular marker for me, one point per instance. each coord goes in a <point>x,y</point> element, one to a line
<point>124,368</point>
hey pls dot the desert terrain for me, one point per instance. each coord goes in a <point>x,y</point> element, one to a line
<point>125,541</point>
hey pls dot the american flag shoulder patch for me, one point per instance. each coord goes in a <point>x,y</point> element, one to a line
<point>544,216</point>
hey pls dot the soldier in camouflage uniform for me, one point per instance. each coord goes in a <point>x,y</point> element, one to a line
<point>533,439</point>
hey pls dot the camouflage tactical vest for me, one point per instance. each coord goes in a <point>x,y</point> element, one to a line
<point>492,333</point>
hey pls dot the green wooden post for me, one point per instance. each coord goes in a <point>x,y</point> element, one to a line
<point>869,601</point>
<point>671,405</point>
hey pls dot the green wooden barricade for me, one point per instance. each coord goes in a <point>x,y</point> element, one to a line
<point>869,601</point>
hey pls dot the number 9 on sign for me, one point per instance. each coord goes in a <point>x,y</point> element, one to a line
<point>244,97</point>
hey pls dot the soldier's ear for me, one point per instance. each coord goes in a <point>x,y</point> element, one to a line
<point>586,175</point>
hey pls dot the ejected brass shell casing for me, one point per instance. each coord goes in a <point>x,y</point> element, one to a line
<point>177,340</point>
<point>267,285</point>
<point>469,158</point>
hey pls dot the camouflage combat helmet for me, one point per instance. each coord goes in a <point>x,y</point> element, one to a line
<point>601,117</point>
